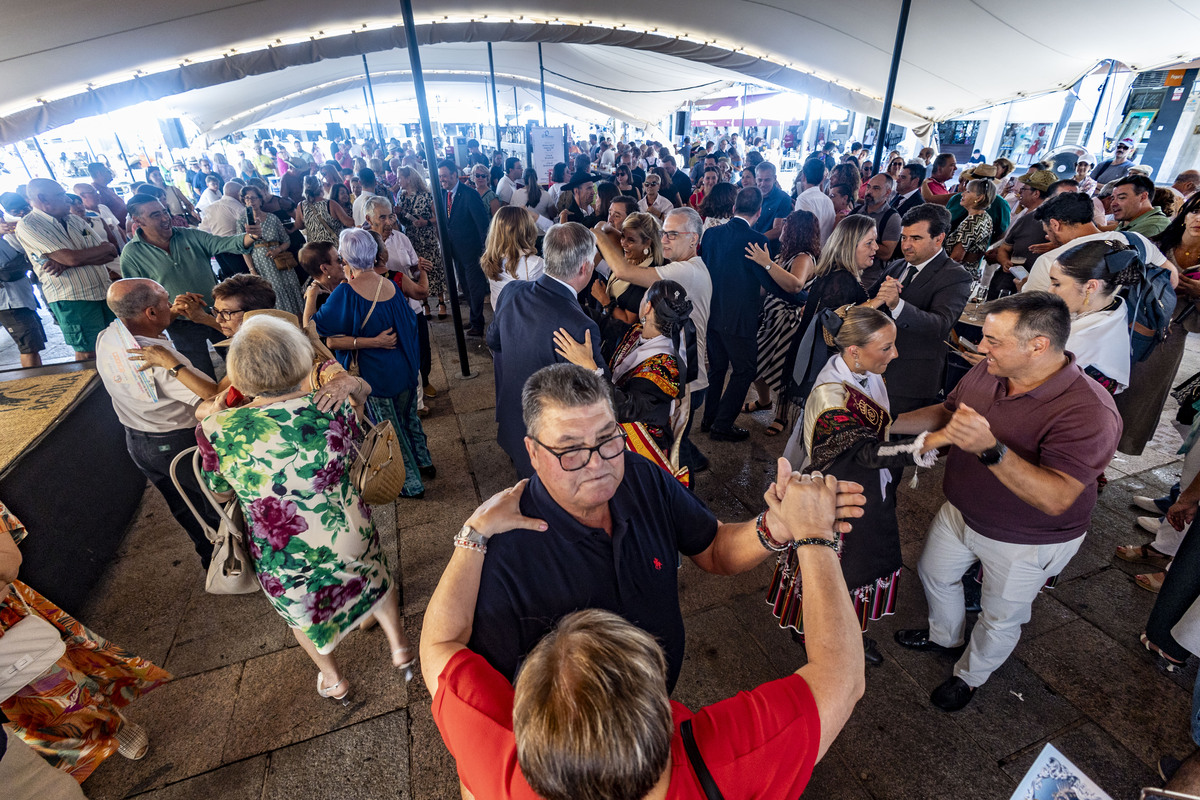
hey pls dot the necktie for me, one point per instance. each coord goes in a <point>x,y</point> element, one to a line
<point>908,278</point>
<point>449,202</point>
<point>895,201</point>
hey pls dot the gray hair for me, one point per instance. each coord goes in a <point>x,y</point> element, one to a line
<point>375,202</point>
<point>130,303</point>
<point>358,249</point>
<point>691,220</point>
<point>233,189</point>
<point>563,386</point>
<point>765,167</point>
<point>268,357</point>
<point>566,247</point>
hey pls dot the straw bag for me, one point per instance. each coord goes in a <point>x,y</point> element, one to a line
<point>27,649</point>
<point>378,470</point>
<point>230,571</point>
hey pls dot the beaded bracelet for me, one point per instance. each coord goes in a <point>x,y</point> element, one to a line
<point>764,535</point>
<point>469,545</point>
<point>831,543</point>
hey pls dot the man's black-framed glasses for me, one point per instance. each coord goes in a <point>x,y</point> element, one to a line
<point>576,458</point>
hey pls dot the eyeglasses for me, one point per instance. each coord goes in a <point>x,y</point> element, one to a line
<point>671,236</point>
<point>577,458</point>
<point>225,316</point>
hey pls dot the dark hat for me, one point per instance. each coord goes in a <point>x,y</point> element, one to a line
<point>14,203</point>
<point>579,179</point>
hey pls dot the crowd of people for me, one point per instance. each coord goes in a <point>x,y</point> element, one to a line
<point>632,290</point>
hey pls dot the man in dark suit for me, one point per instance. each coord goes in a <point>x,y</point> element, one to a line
<point>679,187</point>
<point>908,188</point>
<point>925,293</point>
<point>527,315</point>
<point>733,315</point>
<point>468,224</point>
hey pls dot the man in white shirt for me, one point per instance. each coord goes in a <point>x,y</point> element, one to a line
<point>813,200</point>
<point>91,202</point>
<point>156,430</point>
<point>511,180</point>
<point>221,219</point>
<point>366,177</point>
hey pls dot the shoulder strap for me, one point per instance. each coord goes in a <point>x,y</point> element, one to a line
<point>702,774</point>
<point>374,302</point>
<point>1137,243</point>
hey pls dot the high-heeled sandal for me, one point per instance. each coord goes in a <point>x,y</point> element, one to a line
<point>1165,661</point>
<point>407,666</point>
<point>344,697</point>
<point>441,310</point>
<point>132,741</point>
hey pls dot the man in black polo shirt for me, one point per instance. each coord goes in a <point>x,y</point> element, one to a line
<point>615,522</point>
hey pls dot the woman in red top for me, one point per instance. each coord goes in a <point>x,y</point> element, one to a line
<point>711,176</point>
<point>590,718</point>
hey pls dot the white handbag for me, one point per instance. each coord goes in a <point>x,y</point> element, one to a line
<point>230,571</point>
<point>27,649</point>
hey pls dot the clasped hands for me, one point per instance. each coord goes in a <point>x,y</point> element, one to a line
<point>967,430</point>
<point>888,294</point>
<point>810,506</point>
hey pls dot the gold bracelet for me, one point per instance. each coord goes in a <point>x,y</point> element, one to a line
<point>354,344</point>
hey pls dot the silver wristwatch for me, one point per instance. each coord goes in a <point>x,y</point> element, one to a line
<point>469,534</point>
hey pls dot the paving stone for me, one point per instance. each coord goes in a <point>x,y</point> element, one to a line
<point>1101,757</point>
<point>834,778</point>
<point>364,761</point>
<point>1145,712</point>
<point>755,618</point>
<point>426,549</point>
<point>436,777</point>
<point>491,467</point>
<point>217,630</point>
<point>179,748</point>
<point>241,781</point>
<point>277,702</point>
<point>478,426</point>
<point>700,590</point>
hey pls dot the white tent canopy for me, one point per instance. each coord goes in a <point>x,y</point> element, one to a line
<point>59,64</point>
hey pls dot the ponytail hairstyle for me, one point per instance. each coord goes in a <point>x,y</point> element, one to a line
<point>533,191</point>
<point>673,315</point>
<point>852,326</point>
<point>1113,263</point>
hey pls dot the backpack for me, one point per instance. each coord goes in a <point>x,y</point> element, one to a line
<point>1149,304</point>
<point>14,264</point>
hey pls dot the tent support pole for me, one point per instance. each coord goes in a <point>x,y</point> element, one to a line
<point>743,110</point>
<point>542,75</point>
<point>495,100</point>
<point>1087,133</point>
<point>45,160</point>
<point>439,197</point>
<point>21,158</point>
<point>371,93</point>
<point>124,157</point>
<point>885,118</point>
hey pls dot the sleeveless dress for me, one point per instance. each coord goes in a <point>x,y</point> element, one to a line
<point>319,224</point>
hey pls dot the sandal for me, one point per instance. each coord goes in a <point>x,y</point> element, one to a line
<point>757,405</point>
<point>344,697</point>
<point>400,654</point>
<point>132,741</point>
<point>1168,663</point>
<point>1144,553</point>
<point>775,428</point>
<point>441,310</point>
<point>1151,581</point>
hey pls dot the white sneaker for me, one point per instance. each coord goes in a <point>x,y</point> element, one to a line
<point>1149,524</point>
<point>1146,504</point>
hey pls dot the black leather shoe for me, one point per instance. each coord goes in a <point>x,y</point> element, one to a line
<point>428,472</point>
<point>728,434</point>
<point>953,695</point>
<point>918,639</point>
<point>475,332</point>
<point>705,427</point>
<point>871,652</point>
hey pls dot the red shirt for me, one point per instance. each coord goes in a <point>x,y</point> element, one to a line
<point>762,743</point>
<point>1069,424</point>
<point>937,187</point>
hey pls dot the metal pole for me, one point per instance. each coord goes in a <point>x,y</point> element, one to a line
<point>743,110</point>
<point>885,118</point>
<point>371,92</point>
<point>439,199</point>
<point>124,157</point>
<point>21,158</point>
<point>495,100</point>
<point>45,160</point>
<point>1065,118</point>
<point>542,74</point>
<point>1087,133</point>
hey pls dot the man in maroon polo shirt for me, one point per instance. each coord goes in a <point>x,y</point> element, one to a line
<point>1031,434</point>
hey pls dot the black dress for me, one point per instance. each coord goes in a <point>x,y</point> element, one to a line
<point>833,290</point>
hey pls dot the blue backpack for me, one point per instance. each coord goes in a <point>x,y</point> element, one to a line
<point>1149,304</point>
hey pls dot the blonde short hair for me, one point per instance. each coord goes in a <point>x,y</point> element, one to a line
<point>268,357</point>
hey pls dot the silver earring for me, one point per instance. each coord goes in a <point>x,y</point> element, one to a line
<point>856,364</point>
<point>646,251</point>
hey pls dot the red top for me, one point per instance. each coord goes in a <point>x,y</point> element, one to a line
<point>760,744</point>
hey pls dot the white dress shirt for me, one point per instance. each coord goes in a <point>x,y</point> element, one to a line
<point>818,203</point>
<point>915,269</point>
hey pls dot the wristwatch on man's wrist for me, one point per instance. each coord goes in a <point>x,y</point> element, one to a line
<point>993,455</point>
<point>175,370</point>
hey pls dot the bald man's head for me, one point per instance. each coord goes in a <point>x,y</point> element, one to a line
<point>91,198</point>
<point>132,298</point>
<point>48,196</point>
<point>234,189</point>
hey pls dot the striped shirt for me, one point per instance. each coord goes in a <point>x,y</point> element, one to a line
<point>41,234</point>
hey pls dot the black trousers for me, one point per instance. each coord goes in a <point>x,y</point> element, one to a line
<point>423,343</point>
<point>153,453</point>
<point>1179,591</point>
<point>725,350</point>
<point>192,341</point>
<point>472,284</point>
<point>230,264</point>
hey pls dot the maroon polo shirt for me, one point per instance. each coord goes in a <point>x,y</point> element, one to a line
<point>1069,424</point>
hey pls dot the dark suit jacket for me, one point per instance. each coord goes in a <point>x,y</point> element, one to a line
<point>678,189</point>
<point>521,338</point>
<point>933,302</point>
<point>910,203</point>
<point>736,280</point>
<point>468,225</point>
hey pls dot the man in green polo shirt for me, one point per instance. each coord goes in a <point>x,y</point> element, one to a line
<point>181,260</point>
<point>1131,207</point>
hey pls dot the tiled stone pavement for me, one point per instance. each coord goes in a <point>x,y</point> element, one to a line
<point>242,720</point>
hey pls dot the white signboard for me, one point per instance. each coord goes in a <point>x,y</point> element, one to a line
<point>547,147</point>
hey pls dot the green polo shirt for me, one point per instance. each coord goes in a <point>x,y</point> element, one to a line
<point>186,268</point>
<point>1150,224</point>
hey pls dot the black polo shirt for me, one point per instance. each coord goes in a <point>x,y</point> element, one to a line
<point>532,579</point>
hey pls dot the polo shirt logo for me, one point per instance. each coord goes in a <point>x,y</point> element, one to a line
<point>657,564</point>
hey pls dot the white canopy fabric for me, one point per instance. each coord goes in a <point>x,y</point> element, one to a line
<point>60,61</point>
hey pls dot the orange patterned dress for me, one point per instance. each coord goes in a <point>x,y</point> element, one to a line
<point>69,715</point>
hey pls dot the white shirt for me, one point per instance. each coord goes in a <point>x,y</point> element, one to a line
<point>1039,273</point>
<point>818,203</point>
<point>608,159</point>
<point>106,214</point>
<point>402,257</point>
<point>529,268</point>
<point>693,276</point>
<point>505,188</point>
<point>916,270</point>
<point>221,218</point>
<point>176,406</point>
<point>661,204</point>
<point>359,210</point>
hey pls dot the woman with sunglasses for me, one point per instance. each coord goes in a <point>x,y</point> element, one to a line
<point>623,178</point>
<point>481,181</point>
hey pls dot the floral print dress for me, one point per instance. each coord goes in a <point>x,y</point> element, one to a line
<point>314,548</point>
